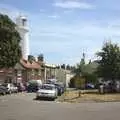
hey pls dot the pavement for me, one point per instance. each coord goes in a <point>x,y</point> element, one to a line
<point>23,106</point>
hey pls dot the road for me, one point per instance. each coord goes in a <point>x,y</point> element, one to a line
<point>22,106</point>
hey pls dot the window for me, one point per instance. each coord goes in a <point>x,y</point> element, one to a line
<point>24,22</point>
<point>46,87</point>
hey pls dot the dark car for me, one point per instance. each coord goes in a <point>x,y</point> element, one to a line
<point>3,90</point>
<point>33,87</point>
<point>60,86</point>
<point>59,89</point>
<point>90,86</point>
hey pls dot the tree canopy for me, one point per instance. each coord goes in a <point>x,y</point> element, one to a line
<point>41,57</point>
<point>109,61</point>
<point>10,50</point>
<point>63,66</point>
<point>31,58</point>
<point>79,68</point>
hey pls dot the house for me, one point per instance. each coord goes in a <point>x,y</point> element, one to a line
<point>23,72</point>
<point>50,71</point>
<point>26,71</point>
<point>6,75</point>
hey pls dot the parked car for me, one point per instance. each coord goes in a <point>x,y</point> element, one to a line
<point>90,86</point>
<point>60,88</point>
<point>47,91</point>
<point>33,85</point>
<point>51,81</point>
<point>3,90</point>
<point>10,88</point>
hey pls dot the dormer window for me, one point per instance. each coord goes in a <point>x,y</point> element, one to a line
<point>24,21</point>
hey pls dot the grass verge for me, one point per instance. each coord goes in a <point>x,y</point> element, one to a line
<point>77,97</point>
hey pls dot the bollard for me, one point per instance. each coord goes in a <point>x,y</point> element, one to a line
<point>79,93</point>
<point>101,89</point>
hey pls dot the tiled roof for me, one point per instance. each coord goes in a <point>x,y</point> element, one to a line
<point>27,64</point>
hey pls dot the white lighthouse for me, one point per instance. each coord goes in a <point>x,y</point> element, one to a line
<point>22,28</point>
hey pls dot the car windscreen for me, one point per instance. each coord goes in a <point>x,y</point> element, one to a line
<point>46,87</point>
<point>1,86</point>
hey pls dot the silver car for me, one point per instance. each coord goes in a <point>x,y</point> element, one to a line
<point>47,91</point>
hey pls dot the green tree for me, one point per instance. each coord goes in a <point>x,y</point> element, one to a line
<point>109,61</point>
<point>89,72</point>
<point>78,80</point>
<point>10,51</point>
<point>90,78</point>
<point>63,66</point>
<point>68,67</point>
<point>80,67</point>
<point>31,58</point>
<point>41,57</point>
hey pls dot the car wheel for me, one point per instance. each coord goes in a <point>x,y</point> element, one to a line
<point>16,91</point>
<point>37,98</point>
<point>53,99</point>
<point>56,96</point>
<point>4,93</point>
<point>10,92</point>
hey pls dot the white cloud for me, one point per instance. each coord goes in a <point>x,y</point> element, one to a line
<point>65,40</point>
<point>73,4</point>
<point>68,11</point>
<point>53,16</point>
<point>71,60</point>
<point>42,10</point>
<point>75,31</point>
<point>72,40</point>
<point>8,10</point>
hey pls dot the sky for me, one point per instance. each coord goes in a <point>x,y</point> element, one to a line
<point>63,29</point>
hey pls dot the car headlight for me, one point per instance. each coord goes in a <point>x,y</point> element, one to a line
<point>52,94</point>
<point>37,93</point>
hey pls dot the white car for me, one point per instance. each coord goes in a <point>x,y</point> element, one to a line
<point>47,91</point>
<point>11,88</point>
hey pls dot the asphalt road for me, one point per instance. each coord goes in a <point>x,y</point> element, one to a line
<point>24,107</point>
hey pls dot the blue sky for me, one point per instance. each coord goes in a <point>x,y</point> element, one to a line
<point>63,29</point>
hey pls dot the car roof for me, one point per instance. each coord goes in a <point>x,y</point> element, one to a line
<point>49,85</point>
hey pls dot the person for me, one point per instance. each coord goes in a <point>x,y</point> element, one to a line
<point>21,87</point>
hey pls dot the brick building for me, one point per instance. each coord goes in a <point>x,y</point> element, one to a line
<point>23,72</point>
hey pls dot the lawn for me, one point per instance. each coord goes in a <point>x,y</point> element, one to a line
<point>75,96</point>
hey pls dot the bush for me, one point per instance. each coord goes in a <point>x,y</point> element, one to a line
<point>77,82</point>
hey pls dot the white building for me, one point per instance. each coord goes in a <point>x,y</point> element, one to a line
<point>64,76</point>
<point>50,71</point>
<point>23,30</point>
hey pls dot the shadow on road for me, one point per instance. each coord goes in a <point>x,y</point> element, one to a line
<point>43,99</point>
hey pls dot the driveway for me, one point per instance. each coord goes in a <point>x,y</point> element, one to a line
<point>22,106</point>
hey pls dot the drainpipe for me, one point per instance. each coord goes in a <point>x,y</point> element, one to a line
<point>45,75</point>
